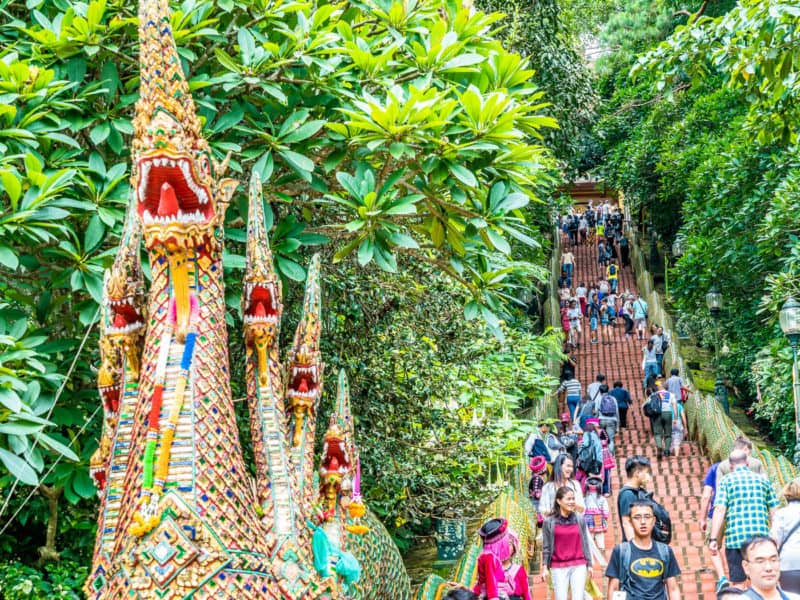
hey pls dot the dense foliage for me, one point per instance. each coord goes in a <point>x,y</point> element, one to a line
<point>698,129</point>
<point>547,33</point>
<point>400,137</point>
<point>435,397</point>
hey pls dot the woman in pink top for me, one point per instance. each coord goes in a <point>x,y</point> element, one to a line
<point>494,581</point>
<point>566,552</point>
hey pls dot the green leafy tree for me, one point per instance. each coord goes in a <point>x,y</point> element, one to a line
<point>755,45</point>
<point>392,134</point>
<point>436,398</point>
<point>694,133</point>
<point>548,36</point>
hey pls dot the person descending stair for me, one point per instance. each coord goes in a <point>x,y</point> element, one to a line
<point>643,568</point>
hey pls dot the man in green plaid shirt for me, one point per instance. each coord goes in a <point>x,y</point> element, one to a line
<point>745,502</point>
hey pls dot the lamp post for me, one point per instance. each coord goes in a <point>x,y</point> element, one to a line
<point>714,303</point>
<point>677,247</point>
<point>790,324</point>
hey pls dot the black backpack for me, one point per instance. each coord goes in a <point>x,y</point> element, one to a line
<point>662,531</point>
<point>652,408</point>
<point>587,461</point>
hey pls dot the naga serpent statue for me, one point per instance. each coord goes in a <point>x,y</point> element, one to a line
<point>180,514</point>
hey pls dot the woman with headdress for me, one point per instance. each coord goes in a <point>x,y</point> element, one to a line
<point>538,467</point>
<point>498,577</point>
<point>516,574</point>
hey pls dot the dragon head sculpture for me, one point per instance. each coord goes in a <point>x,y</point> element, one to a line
<point>336,463</point>
<point>124,301</point>
<point>109,384</point>
<point>122,328</point>
<point>180,194</point>
<point>305,362</point>
<point>261,299</point>
<point>109,376</point>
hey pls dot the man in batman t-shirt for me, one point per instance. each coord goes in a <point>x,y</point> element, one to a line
<point>642,567</point>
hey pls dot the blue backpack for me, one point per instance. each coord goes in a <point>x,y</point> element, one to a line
<point>608,406</point>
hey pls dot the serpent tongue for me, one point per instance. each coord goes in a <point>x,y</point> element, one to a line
<point>260,311</point>
<point>168,202</point>
<point>120,321</point>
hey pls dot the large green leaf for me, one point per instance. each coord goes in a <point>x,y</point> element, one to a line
<point>18,468</point>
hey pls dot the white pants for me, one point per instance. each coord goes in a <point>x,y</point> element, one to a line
<point>569,578</point>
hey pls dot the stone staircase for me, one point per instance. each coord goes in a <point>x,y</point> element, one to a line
<point>677,481</point>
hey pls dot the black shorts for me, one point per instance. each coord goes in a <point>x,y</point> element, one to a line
<point>735,571</point>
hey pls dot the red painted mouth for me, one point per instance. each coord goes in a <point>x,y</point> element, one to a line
<point>125,319</point>
<point>262,305</point>
<point>304,382</point>
<point>169,192</point>
<point>335,456</point>
<point>111,395</point>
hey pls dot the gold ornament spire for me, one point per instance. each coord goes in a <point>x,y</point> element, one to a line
<point>163,85</point>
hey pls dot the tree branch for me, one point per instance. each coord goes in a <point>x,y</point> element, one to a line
<point>49,552</point>
<point>632,105</point>
<point>693,16</point>
<point>464,212</point>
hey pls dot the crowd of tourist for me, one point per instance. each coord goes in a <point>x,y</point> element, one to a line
<point>753,545</point>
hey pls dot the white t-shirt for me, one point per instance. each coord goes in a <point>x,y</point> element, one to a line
<point>580,292</point>
<point>657,341</point>
<point>567,258</point>
<point>666,400</point>
<point>627,308</point>
<point>593,388</point>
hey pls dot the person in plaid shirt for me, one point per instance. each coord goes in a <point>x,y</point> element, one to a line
<point>745,502</point>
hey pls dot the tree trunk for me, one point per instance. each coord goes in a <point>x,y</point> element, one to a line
<point>48,552</point>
